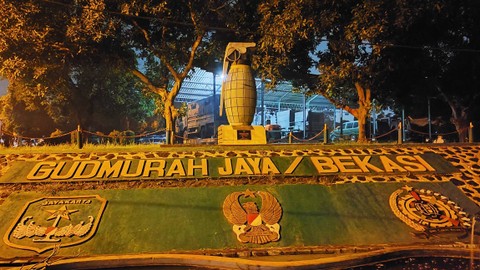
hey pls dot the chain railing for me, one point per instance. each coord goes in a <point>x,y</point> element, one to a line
<point>119,135</point>
<point>291,138</point>
<point>436,134</point>
<point>308,139</point>
<point>385,134</point>
<point>468,130</point>
<point>20,140</point>
<point>79,136</point>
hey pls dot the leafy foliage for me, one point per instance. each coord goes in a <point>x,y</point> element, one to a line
<point>333,34</point>
<point>43,41</point>
<point>437,59</point>
<point>399,51</point>
<point>99,102</point>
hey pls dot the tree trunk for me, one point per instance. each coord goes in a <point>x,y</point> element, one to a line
<point>460,115</point>
<point>460,120</point>
<point>364,106</point>
<point>167,114</point>
<point>362,112</point>
<point>362,119</point>
<point>171,112</point>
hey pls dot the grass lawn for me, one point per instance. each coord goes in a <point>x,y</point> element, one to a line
<point>90,148</point>
<point>183,219</point>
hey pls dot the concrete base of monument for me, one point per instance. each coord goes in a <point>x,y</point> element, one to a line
<point>241,135</point>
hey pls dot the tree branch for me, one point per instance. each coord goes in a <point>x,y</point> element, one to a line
<point>147,82</point>
<point>195,45</point>
<point>155,51</point>
<point>169,66</point>
<point>448,101</point>
<point>342,106</point>
<point>144,32</point>
<point>360,93</point>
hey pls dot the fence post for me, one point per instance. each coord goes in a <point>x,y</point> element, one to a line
<point>79,137</point>
<point>19,141</point>
<point>400,130</point>
<point>470,133</point>
<point>325,134</point>
<point>290,137</point>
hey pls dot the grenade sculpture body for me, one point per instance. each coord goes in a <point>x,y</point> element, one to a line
<point>239,93</point>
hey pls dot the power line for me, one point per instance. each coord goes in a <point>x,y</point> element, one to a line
<point>225,29</point>
<point>422,47</point>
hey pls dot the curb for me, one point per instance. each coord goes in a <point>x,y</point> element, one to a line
<point>205,261</point>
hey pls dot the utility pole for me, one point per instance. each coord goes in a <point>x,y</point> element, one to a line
<point>429,121</point>
<point>304,116</point>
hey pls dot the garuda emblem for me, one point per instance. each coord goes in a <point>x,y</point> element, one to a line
<point>250,224</point>
<point>46,222</point>
<point>428,212</point>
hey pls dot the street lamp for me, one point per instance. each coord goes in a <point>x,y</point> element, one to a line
<point>214,104</point>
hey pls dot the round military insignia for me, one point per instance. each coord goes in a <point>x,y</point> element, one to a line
<point>425,210</point>
<point>250,224</point>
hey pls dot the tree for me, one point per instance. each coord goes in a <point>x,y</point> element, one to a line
<point>168,36</point>
<point>438,58</point>
<point>108,97</point>
<point>98,103</point>
<point>19,113</point>
<point>71,82</point>
<point>337,33</point>
<point>176,36</point>
<point>361,47</point>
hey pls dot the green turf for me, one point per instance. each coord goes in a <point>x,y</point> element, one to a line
<point>90,148</point>
<point>181,219</point>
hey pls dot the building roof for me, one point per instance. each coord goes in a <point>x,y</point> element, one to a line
<point>201,85</point>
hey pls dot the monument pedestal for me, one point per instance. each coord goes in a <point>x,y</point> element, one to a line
<point>239,135</point>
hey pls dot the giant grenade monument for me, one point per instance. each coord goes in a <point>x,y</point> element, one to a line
<point>239,98</point>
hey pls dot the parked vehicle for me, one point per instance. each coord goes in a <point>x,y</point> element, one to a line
<point>153,139</point>
<point>203,119</point>
<point>348,131</point>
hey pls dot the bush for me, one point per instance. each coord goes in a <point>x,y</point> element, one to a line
<point>127,137</point>
<point>114,136</point>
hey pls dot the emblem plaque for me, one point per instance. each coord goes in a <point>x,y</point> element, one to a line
<point>51,221</point>
<point>428,212</point>
<point>250,224</point>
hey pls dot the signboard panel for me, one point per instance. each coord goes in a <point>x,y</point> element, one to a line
<point>168,168</point>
